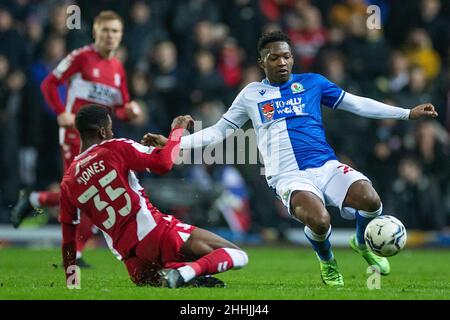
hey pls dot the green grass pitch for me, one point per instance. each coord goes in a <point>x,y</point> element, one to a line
<point>273,273</point>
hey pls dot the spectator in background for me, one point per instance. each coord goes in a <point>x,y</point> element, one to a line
<point>419,50</point>
<point>417,90</point>
<point>168,79</point>
<point>206,35</point>
<point>245,20</point>
<point>57,26</point>
<point>273,10</point>
<point>187,14</point>
<point>13,46</point>
<point>307,34</point>
<point>230,63</point>
<point>53,51</point>
<point>206,83</point>
<point>437,27</point>
<point>415,198</point>
<point>386,143</point>
<point>4,161</point>
<point>34,33</point>
<point>397,77</point>
<point>17,131</point>
<point>433,154</point>
<point>341,126</point>
<point>364,49</point>
<point>156,115</point>
<point>342,13</point>
<point>142,32</point>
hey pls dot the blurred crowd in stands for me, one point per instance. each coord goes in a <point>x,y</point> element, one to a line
<point>193,57</point>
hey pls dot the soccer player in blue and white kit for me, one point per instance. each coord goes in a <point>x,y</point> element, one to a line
<point>300,166</point>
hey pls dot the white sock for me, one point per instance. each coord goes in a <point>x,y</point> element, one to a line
<point>187,272</point>
<point>79,254</point>
<point>34,199</point>
<point>239,257</point>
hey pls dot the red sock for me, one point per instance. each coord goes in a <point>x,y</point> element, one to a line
<point>84,232</point>
<point>48,199</point>
<point>217,261</point>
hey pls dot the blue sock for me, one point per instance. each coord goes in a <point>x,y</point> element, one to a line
<point>320,243</point>
<point>362,220</point>
<point>361,224</point>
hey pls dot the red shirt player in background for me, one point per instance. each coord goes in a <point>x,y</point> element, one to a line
<point>94,76</point>
<point>156,248</point>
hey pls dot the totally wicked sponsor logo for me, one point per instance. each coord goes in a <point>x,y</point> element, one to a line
<point>281,108</point>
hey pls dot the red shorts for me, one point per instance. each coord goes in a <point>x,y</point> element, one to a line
<point>162,245</point>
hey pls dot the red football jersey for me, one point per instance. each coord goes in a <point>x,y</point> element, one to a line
<point>101,183</point>
<point>92,79</point>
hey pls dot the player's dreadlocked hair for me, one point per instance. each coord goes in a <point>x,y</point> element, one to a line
<point>90,119</point>
<point>274,36</point>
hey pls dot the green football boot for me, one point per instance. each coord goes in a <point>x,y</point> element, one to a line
<point>372,259</point>
<point>330,273</point>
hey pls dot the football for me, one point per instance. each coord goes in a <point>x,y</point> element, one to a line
<point>385,236</point>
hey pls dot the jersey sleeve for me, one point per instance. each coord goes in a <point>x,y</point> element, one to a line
<point>119,110</point>
<point>332,94</point>
<point>69,214</point>
<point>237,114</point>
<point>70,65</point>
<point>65,69</point>
<point>138,157</point>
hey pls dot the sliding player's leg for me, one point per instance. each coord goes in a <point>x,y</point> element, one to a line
<point>30,201</point>
<point>204,253</point>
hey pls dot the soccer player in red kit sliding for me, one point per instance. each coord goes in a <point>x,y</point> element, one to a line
<point>94,76</point>
<point>156,248</point>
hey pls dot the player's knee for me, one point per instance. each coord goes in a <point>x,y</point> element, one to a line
<point>239,257</point>
<point>372,202</point>
<point>320,223</point>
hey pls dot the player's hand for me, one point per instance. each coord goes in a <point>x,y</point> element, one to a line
<point>184,122</point>
<point>423,110</point>
<point>133,110</point>
<point>66,120</point>
<point>154,140</point>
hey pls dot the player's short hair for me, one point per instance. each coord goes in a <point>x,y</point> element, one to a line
<point>90,119</point>
<point>274,36</point>
<point>106,15</point>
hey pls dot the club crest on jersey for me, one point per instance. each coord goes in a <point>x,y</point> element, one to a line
<point>297,87</point>
<point>268,110</point>
<point>117,79</point>
<point>96,72</point>
<point>262,92</point>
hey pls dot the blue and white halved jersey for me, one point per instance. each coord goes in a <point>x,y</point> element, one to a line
<point>287,120</point>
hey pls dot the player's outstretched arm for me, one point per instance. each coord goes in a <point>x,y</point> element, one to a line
<point>370,108</point>
<point>208,136</point>
<point>161,160</point>
<point>423,110</point>
<point>154,140</point>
